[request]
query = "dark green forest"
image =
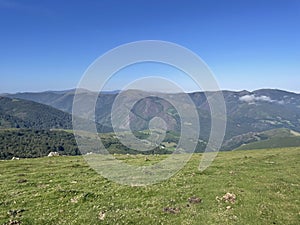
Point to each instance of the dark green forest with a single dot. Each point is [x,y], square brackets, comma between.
[29,143]
[19,113]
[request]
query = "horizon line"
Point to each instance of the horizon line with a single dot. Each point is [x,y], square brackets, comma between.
[167,92]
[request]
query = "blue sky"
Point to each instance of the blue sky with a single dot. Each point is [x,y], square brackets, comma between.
[248,44]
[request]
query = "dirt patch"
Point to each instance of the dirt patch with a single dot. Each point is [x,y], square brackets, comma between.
[13,222]
[194,200]
[171,210]
[22,181]
[15,212]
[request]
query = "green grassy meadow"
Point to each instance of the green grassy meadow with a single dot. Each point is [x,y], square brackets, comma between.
[65,190]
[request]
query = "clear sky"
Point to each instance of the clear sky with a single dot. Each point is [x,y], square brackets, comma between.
[248,44]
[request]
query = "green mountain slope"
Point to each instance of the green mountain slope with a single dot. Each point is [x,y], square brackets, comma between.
[276,138]
[19,113]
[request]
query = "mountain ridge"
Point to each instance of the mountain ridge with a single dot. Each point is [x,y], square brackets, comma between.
[248,113]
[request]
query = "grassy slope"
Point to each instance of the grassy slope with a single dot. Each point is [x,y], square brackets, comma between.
[276,142]
[266,183]
[275,138]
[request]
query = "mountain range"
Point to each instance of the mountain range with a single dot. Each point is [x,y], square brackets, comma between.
[255,111]
[249,114]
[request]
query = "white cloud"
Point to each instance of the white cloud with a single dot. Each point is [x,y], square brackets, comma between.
[262,98]
[247,98]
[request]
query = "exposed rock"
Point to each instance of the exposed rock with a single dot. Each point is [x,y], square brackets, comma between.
[101,215]
[229,197]
[53,154]
[74,200]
